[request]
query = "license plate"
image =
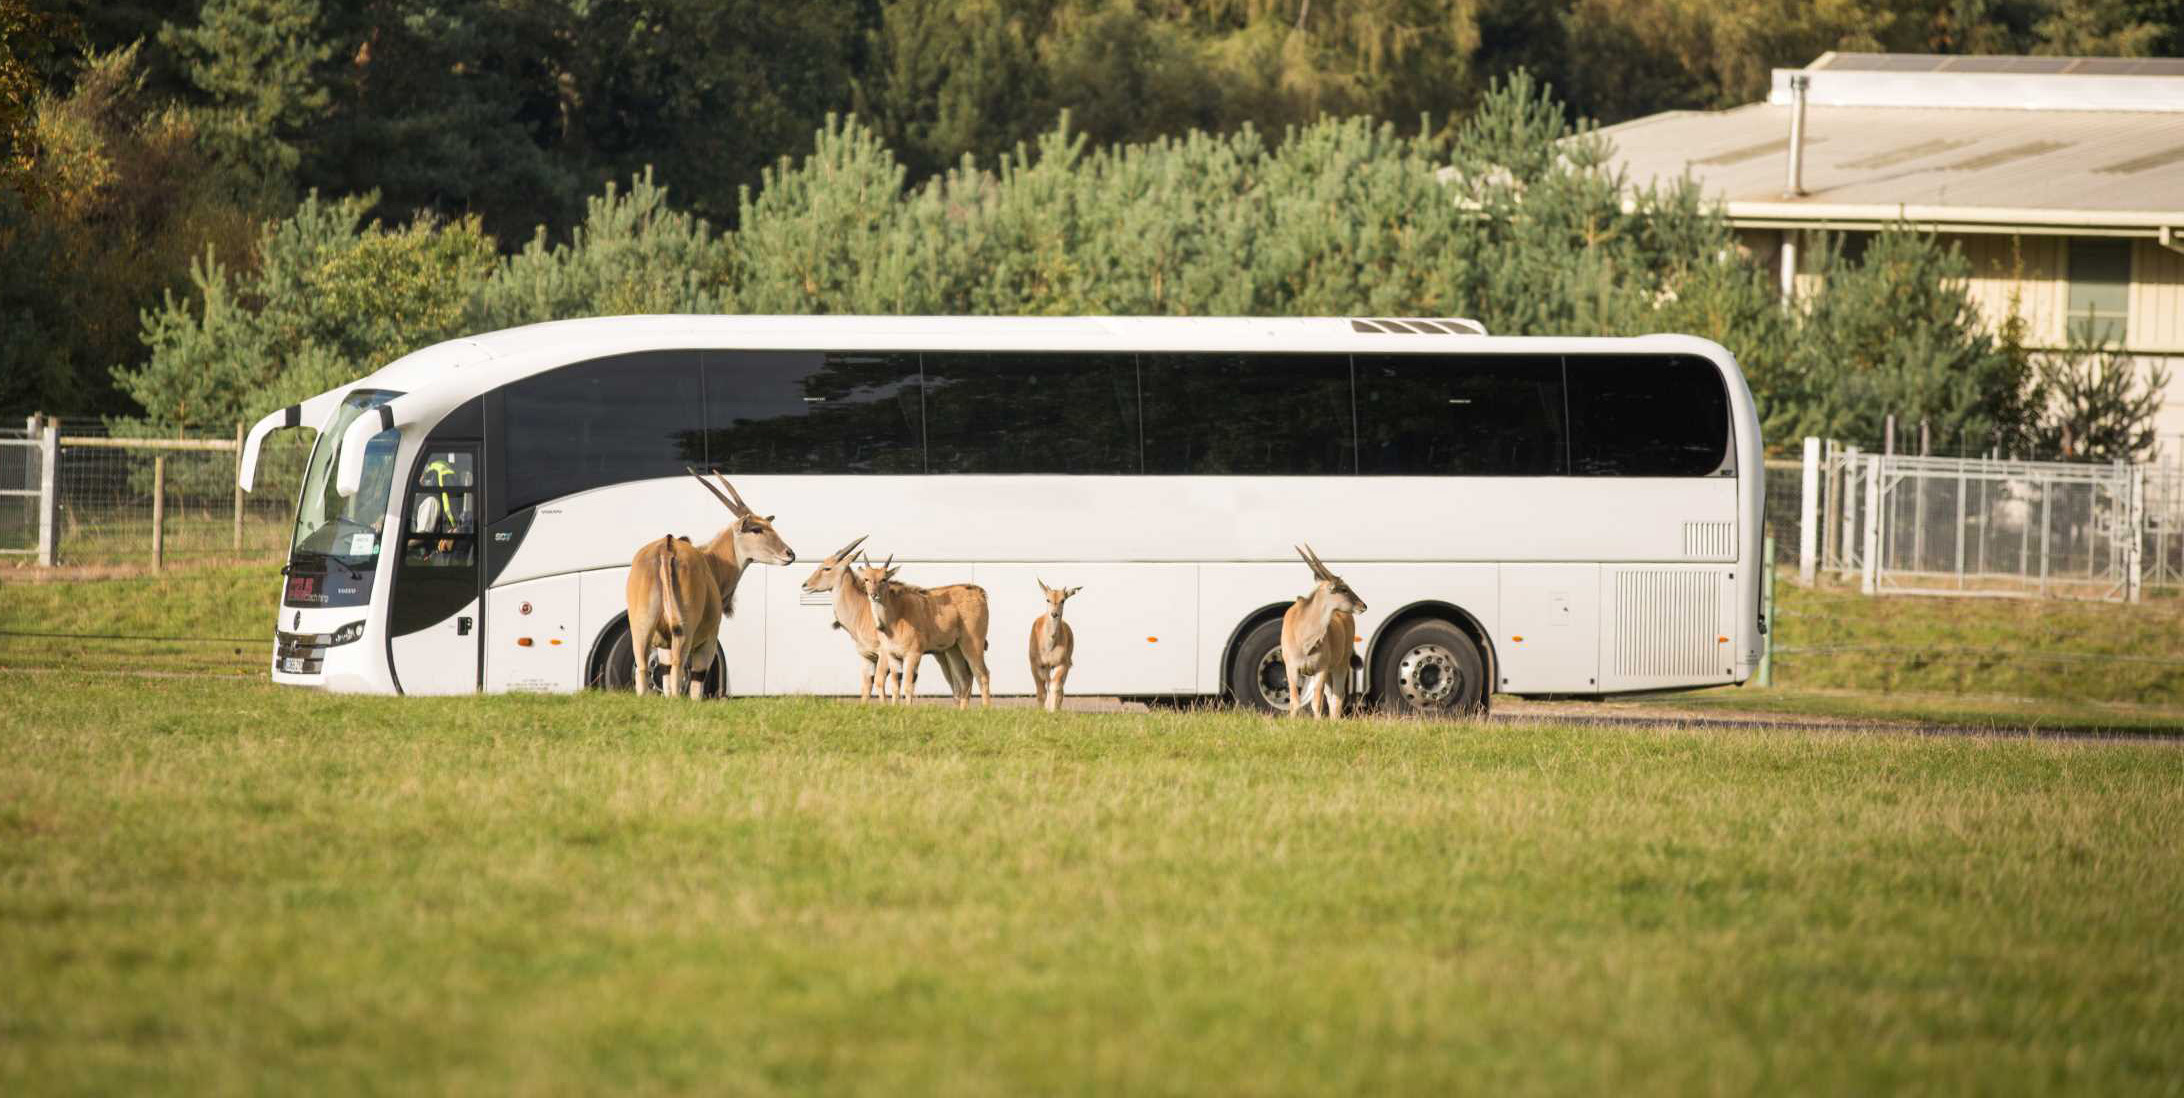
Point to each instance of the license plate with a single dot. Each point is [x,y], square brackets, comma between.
[292,667]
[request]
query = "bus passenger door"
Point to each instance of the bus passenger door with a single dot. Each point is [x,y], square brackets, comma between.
[434,619]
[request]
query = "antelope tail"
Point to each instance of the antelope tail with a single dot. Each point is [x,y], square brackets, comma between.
[670,595]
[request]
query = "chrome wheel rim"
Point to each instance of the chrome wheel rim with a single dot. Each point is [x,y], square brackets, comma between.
[1273,679]
[1429,677]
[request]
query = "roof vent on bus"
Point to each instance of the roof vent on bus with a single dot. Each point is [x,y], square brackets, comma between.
[1414,326]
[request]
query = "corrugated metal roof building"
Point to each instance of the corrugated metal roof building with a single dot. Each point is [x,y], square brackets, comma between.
[2061,178]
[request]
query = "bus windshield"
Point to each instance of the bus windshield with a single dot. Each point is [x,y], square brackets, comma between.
[336,545]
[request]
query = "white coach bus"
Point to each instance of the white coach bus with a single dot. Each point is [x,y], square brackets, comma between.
[1522,515]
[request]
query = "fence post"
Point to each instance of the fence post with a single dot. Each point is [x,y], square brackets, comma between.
[1766,587]
[2134,554]
[159,510]
[1808,515]
[1871,584]
[1832,491]
[49,496]
[1850,507]
[238,479]
[2047,496]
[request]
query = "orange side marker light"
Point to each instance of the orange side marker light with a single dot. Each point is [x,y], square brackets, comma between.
[1519,640]
[523,642]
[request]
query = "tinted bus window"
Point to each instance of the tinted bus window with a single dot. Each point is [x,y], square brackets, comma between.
[608,421]
[813,412]
[1646,416]
[1247,414]
[1030,413]
[1461,415]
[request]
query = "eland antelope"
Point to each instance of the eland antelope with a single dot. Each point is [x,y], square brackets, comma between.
[853,616]
[1053,647]
[1317,639]
[950,622]
[678,593]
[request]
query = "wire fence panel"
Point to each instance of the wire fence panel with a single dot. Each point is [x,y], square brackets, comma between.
[1783,515]
[111,492]
[21,463]
[1987,526]
[2162,559]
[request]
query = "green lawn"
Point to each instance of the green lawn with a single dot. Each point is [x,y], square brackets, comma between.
[2003,715]
[216,607]
[221,886]
[1834,638]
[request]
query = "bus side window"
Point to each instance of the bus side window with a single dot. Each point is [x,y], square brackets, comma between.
[1646,416]
[1242,414]
[1461,415]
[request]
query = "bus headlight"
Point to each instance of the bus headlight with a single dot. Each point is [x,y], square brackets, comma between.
[352,631]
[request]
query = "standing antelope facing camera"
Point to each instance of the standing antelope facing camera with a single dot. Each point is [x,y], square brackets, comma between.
[1053,646]
[949,622]
[678,592]
[1318,639]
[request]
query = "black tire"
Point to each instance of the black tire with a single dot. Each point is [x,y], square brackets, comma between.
[1258,656]
[1431,668]
[616,671]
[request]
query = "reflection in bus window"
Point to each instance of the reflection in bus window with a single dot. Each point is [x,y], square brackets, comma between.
[807,412]
[997,412]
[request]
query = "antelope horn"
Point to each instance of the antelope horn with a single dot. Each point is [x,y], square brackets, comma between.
[1318,569]
[716,492]
[844,552]
[741,508]
[890,562]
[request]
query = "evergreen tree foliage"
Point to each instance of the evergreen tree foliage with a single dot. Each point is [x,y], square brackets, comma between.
[631,254]
[262,64]
[2096,404]
[1896,333]
[330,297]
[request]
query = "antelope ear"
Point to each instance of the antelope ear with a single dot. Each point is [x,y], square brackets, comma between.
[1041,583]
[891,572]
[1071,591]
[769,518]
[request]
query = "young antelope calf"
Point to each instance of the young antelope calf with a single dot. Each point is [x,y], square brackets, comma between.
[1318,639]
[949,622]
[1053,645]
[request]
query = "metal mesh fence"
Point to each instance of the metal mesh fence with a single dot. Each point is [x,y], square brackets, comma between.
[1980,526]
[110,494]
[2162,557]
[1782,510]
[20,461]
[2005,527]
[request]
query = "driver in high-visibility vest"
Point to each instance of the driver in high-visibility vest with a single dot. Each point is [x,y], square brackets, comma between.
[439,473]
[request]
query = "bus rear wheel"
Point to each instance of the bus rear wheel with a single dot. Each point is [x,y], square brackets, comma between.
[1432,669]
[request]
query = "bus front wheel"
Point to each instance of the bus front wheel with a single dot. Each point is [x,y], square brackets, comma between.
[1432,669]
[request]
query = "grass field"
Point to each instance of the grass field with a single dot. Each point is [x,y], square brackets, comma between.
[1834,638]
[221,886]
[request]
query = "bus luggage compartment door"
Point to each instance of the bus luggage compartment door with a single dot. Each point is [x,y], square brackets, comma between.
[1549,635]
[534,644]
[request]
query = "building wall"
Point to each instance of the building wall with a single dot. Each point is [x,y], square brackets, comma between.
[2036,270]
[2157,298]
